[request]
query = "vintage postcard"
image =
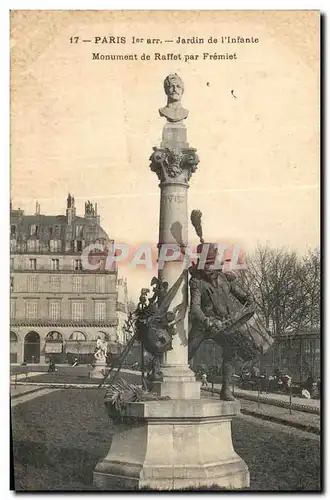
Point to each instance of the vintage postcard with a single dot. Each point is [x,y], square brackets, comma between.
[165,250]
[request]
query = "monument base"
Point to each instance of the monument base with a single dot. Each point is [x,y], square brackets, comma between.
[179,382]
[174,444]
[99,370]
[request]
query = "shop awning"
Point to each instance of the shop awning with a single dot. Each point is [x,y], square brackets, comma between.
[53,347]
[74,347]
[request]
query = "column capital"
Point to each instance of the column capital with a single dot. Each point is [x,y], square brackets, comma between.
[174,164]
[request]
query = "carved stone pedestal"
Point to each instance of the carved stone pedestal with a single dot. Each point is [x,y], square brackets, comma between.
[179,382]
[174,444]
[99,369]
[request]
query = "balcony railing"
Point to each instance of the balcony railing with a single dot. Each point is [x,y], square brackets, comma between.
[64,270]
[63,322]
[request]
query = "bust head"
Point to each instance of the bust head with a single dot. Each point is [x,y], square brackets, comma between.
[174,87]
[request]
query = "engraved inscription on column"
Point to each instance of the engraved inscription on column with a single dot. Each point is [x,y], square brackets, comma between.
[176,198]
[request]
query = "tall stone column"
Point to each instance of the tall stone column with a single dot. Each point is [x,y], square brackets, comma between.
[174,162]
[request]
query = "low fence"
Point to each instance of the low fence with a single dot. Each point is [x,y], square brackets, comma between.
[260,399]
[299,356]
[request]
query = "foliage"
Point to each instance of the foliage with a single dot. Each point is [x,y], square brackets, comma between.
[285,288]
[121,392]
[131,306]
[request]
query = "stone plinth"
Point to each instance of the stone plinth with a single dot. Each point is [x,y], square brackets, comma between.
[179,382]
[174,444]
[174,135]
[99,369]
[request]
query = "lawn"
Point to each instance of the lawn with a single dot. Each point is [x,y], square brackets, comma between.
[58,439]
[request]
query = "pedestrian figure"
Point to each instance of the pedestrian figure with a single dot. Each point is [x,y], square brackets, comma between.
[204,380]
[51,367]
[305,394]
[287,381]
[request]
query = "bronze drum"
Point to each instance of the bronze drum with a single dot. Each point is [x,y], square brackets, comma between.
[251,340]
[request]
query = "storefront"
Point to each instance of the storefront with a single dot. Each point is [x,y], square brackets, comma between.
[32,348]
[80,349]
[54,348]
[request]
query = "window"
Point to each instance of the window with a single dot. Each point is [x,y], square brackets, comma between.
[31,310]
[77,265]
[13,308]
[77,311]
[77,336]
[79,231]
[34,229]
[13,231]
[54,311]
[308,346]
[100,311]
[13,337]
[55,264]
[11,283]
[56,232]
[79,246]
[11,262]
[100,284]
[55,283]
[32,245]
[76,284]
[55,245]
[32,283]
[33,264]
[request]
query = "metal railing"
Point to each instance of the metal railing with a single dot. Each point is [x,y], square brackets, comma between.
[260,399]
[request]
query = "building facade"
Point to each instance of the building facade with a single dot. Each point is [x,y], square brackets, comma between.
[58,308]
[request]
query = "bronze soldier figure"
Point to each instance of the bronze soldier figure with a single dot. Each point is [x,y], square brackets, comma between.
[212,312]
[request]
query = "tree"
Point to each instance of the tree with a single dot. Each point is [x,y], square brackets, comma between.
[131,306]
[285,287]
[312,281]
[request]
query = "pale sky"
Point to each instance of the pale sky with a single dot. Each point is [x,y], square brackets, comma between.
[88,127]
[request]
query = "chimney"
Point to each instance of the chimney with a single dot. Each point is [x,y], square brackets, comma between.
[37,208]
[70,211]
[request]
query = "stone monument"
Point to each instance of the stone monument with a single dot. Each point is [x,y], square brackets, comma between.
[183,441]
[174,162]
[100,360]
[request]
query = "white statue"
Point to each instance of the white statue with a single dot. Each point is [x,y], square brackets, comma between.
[101,349]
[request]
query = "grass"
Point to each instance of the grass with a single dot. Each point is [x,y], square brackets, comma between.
[59,438]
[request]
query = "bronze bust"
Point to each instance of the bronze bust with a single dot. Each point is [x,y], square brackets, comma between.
[174,88]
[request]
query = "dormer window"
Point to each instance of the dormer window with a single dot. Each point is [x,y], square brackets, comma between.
[79,231]
[56,231]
